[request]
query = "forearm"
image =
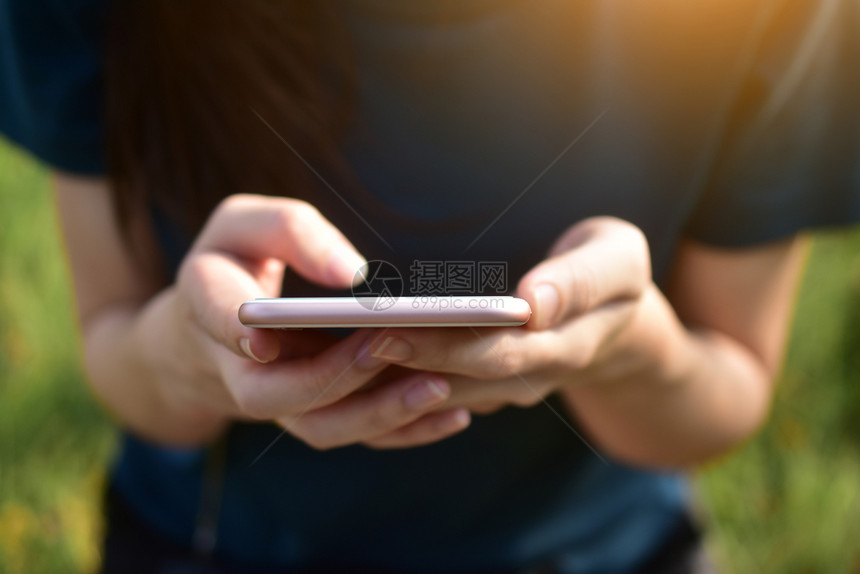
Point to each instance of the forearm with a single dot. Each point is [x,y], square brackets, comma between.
[686,397]
[131,358]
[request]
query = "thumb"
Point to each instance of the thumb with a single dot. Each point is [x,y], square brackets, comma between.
[596,261]
[211,286]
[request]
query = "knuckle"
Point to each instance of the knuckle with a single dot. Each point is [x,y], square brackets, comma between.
[486,408]
[439,358]
[191,272]
[526,399]
[251,403]
[298,210]
[531,394]
[379,419]
[220,218]
[580,358]
[318,442]
[617,222]
[191,284]
[301,207]
[385,412]
[294,217]
[285,219]
[320,384]
[317,386]
[195,299]
[230,201]
[586,292]
[642,255]
[510,358]
[230,204]
[636,246]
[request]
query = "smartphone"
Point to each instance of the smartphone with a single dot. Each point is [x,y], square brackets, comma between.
[430,311]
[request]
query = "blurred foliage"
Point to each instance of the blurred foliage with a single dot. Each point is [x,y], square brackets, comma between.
[787,502]
[55,442]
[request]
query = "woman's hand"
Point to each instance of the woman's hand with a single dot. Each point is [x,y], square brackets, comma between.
[174,363]
[644,386]
[306,381]
[583,298]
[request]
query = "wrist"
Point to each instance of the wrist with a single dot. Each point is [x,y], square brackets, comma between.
[168,363]
[653,349]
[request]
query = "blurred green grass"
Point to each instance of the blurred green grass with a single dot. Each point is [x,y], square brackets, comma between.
[54,440]
[787,502]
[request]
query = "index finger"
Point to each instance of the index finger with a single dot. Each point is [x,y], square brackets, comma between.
[241,254]
[257,227]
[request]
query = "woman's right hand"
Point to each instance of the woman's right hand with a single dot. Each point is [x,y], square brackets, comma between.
[307,381]
[172,362]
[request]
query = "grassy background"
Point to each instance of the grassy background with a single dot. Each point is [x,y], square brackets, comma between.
[785,503]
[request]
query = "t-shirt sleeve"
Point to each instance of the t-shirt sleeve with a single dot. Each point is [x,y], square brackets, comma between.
[51,95]
[790,155]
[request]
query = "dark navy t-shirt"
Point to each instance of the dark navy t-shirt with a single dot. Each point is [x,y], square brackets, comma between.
[484,129]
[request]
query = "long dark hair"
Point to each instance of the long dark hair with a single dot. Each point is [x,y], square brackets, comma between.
[186,81]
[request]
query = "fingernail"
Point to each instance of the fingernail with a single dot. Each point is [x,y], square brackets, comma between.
[347,266]
[365,360]
[393,349]
[456,421]
[245,344]
[425,395]
[547,304]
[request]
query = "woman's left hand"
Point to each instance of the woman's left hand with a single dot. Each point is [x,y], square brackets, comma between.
[583,297]
[653,380]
